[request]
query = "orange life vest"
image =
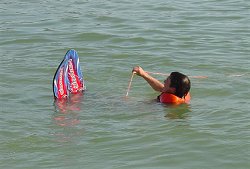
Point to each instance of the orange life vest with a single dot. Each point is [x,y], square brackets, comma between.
[171,98]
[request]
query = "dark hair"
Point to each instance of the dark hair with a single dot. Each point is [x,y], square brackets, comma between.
[181,83]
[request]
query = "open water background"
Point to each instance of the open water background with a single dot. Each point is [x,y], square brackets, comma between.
[102,129]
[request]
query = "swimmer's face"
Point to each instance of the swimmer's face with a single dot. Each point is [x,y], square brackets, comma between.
[167,83]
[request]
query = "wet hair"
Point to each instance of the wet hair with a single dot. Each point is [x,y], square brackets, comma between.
[181,83]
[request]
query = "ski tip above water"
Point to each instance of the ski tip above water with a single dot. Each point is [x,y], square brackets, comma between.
[68,77]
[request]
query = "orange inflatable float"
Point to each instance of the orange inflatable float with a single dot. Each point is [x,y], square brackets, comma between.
[172,99]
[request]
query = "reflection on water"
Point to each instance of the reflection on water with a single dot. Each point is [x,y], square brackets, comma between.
[67,117]
[67,110]
[177,111]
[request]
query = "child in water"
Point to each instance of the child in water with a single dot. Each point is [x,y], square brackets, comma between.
[175,88]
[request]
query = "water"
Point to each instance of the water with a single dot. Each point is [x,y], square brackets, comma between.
[102,129]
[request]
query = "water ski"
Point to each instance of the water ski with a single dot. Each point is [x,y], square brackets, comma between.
[68,77]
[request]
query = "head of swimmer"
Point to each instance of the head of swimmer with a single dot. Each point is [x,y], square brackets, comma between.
[177,84]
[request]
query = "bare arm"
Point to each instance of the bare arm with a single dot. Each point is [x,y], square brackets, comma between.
[154,83]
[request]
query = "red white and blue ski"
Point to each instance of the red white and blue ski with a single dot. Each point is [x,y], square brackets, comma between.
[68,77]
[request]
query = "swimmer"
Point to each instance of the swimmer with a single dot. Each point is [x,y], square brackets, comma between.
[175,88]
